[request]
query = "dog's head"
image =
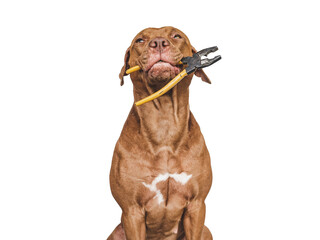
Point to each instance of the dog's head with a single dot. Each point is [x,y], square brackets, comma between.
[158,51]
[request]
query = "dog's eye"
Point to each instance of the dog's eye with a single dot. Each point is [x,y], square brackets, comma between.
[139,40]
[177,36]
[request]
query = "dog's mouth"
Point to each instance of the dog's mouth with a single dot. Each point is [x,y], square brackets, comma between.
[162,71]
[161,64]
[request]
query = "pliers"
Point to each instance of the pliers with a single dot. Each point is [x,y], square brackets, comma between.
[193,63]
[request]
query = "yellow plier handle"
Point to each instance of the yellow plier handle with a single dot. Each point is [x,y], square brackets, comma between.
[165,89]
[133,69]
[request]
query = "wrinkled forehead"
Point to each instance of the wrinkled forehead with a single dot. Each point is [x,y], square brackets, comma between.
[150,33]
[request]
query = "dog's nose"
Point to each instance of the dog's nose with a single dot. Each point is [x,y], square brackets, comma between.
[159,43]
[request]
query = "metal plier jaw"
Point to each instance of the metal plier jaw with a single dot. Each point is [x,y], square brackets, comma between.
[195,62]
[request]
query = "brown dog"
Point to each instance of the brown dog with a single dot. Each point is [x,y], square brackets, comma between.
[161,172]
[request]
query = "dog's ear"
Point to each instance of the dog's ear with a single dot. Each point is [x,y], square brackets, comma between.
[200,73]
[125,66]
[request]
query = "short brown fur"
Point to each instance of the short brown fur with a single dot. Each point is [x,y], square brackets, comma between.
[159,137]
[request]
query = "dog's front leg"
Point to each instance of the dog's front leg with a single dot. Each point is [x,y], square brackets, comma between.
[133,220]
[193,220]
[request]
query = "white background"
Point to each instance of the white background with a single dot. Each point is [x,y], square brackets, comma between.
[62,110]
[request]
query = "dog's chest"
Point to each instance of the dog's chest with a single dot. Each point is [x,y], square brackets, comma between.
[167,182]
[166,185]
[164,198]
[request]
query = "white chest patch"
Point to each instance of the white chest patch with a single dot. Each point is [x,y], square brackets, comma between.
[182,178]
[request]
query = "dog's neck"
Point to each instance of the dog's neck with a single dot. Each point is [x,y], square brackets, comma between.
[165,120]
